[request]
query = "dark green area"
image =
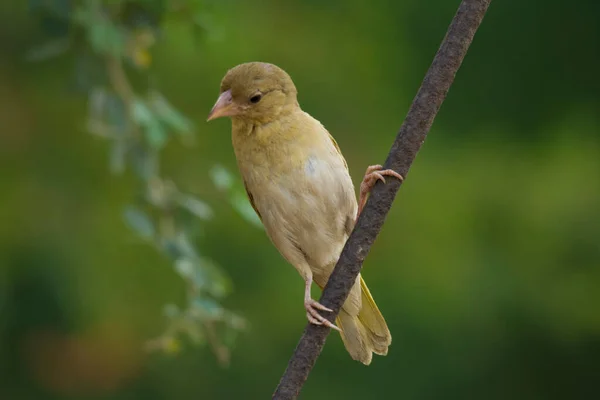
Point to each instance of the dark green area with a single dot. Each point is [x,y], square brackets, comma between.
[488,267]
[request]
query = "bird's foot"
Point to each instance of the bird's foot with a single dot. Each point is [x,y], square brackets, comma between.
[313,315]
[373,174]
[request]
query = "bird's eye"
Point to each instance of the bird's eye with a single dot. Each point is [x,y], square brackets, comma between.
[255,99]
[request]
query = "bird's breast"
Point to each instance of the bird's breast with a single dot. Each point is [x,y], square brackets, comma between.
[308,202]
[300,186]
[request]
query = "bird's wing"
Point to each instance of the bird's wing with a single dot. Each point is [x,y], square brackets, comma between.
[251,198]
[350,218]
[337,148]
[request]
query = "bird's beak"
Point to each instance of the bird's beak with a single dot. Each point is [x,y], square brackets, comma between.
[224,107]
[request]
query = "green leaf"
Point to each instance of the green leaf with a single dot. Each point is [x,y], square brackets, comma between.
[201,279]
[156,135]
[97,100]
[155,132]
[196,206]
[221,178]
[118,152]
[139,221]
[116,114]
[169,115]
[180,247]
[143,161]
[170,248]
[141,113]
[204,275]
[214,280]
[186,268]
[186,247]
[105,37]
[208,306]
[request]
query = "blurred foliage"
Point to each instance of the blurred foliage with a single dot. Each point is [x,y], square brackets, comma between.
[487,269]
[106,37]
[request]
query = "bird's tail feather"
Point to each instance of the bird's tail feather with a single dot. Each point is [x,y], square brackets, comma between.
[365,333]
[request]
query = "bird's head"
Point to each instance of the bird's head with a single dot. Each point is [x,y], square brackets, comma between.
[255,91]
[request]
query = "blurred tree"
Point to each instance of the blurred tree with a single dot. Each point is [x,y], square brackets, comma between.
[111,42]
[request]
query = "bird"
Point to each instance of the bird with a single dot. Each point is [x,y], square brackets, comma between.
[299,185]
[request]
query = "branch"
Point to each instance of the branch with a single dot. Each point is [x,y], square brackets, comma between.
[412,134]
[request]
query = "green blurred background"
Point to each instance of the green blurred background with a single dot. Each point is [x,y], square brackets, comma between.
[487,269]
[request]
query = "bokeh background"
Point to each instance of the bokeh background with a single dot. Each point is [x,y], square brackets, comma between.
[487,269]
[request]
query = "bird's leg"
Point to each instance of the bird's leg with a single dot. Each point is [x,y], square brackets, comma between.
[312,306]
[374,173]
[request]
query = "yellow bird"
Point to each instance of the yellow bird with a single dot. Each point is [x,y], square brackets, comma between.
[298,183]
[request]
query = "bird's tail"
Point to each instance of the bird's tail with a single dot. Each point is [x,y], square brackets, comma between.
[365,333]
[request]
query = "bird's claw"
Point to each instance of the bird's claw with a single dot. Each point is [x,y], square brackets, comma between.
[373,174]
[314,317]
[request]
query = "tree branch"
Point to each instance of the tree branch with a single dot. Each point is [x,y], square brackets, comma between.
[411,136]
